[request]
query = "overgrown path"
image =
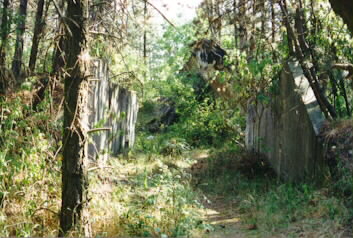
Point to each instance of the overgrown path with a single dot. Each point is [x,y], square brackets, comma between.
[206,194]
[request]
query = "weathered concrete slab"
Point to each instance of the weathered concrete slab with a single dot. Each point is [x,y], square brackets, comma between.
[112,113]
[308,97]
[98,109]
[286,129]
[123,121]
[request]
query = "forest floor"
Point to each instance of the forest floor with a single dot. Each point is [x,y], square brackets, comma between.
[201,193]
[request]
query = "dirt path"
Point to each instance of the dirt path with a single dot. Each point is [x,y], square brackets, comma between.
[224,217]
[133,198]
[222,213]
[222,208]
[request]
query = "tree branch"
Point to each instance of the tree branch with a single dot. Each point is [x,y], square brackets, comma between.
[99,129]
[57,8]
[348,67]
[160,13]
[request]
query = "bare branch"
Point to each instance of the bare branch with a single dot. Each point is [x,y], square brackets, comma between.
[99,129]
[348,67]
[104,34]
[58,9]
[161,13]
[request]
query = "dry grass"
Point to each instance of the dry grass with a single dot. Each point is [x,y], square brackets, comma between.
[152,195]
[338,129]
[144,196]
[29,172]
[31,205]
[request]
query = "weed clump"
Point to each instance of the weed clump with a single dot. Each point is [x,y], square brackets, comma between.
[158,199]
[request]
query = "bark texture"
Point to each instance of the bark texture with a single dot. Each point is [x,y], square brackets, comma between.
[17,59]
[37,32]
[74,171]
[5,29]
[58,60]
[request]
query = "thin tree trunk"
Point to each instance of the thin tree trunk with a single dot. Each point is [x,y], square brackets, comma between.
[145,33]
[345,96]
[5,29]
[43,82]
[309,73]
[17,59]
[290,39]
[263,18]
[210,15]
[74,172]
[58,60]
[145,40]
[235,24]
[273,21]
[37,33]
[341,84]
[217,22]
[243,33]
[301,30]
[334,91]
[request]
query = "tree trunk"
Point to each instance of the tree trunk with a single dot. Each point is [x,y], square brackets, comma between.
[210,17]
[145,33]
[235,24]
[243,32]
[288,26]
[37,32]
[273,21]
[263,11]
[145,40]
[74,172]
[17,59]
[344,8]
[5,29]
[58,61]
[309,73]
[217,21]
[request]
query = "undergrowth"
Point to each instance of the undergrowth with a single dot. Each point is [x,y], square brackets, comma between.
[30,181]
[146,196]
[162,189]
[268,206]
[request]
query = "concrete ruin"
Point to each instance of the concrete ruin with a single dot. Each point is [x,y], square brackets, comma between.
[112,114]
[286,129]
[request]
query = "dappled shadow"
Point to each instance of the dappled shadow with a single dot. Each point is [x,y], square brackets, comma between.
[242,197]
[217,176]
[209,167]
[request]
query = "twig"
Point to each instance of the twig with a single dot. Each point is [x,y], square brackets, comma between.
[95,168]
[128,72]
[99,129]
[45,208]
[58,9]
[348,67]
[104,34]
[161,14]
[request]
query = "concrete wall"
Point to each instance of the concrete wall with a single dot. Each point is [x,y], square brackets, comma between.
[114,110]
[286,129]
